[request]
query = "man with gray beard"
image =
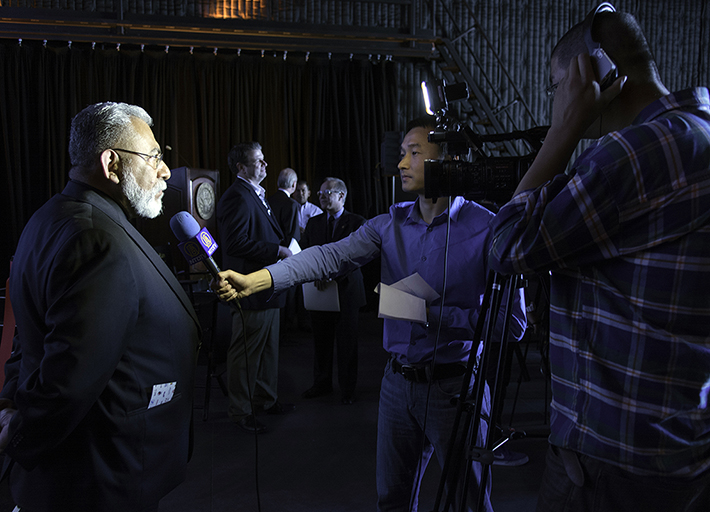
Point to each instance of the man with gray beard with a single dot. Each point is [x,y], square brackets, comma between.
[96,405]
[146,202]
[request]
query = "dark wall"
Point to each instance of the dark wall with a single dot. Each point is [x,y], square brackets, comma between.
[322,117]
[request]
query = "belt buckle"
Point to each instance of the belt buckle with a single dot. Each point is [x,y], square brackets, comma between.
[415,374]
[407,369]
[409,372]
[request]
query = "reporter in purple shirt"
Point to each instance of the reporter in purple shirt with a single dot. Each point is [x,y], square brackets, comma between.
[410,238]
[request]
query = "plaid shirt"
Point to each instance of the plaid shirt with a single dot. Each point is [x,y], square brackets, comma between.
[626,236]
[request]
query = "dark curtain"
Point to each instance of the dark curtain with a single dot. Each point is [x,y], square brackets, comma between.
[322,116]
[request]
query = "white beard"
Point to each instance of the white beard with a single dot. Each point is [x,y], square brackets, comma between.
[143,201]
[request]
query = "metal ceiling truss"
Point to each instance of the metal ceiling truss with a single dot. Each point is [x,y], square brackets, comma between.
[189,31]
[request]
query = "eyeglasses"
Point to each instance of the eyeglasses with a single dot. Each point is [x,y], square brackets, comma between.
[257,162]
[152,160]
[551,90]
[327,193]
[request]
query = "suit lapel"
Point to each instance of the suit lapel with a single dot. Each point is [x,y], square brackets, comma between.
[161,267]
[115,213]
[259,205]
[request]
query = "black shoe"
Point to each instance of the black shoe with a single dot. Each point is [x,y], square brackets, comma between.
[347,400]
[315,392]
[250,424]
[279,408]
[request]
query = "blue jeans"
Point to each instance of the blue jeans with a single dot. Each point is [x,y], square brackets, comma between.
[608,488]
[400,434]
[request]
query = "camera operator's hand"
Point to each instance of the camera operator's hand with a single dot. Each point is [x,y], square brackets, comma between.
[578,100]
[578,104]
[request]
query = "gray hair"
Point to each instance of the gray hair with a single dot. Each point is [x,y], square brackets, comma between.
[287,178]
[337,184]
[100,127]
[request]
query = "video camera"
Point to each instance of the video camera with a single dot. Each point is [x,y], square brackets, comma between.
[481,176]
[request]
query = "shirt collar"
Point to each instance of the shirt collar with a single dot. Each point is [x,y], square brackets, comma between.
[260,191]
[414,217]
[694,98]
[337,214]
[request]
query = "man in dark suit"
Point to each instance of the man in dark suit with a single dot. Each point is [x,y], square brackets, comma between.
[284,207]
[250,239]
[285,210]
[331,328]
[98,393]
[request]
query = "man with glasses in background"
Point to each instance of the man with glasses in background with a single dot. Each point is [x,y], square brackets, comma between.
[335,327]
[250,239]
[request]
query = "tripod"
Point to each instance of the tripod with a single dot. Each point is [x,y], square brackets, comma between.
[462,449]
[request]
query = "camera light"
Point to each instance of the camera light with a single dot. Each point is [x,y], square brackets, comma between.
[427,101]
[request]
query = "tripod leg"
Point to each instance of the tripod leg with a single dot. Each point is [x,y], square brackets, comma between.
[474,411]
[477,484]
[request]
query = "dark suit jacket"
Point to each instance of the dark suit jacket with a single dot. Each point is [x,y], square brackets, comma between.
[285,210]
[351,288]
[101,320]
[249,238]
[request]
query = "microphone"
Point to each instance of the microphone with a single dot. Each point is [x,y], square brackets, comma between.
[197,245]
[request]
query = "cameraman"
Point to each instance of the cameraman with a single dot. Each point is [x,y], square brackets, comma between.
[626,236]
[411,238]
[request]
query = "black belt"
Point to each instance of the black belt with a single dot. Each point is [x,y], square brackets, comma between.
[425,373]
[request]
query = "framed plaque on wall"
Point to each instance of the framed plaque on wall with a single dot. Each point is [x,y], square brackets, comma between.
[193,190]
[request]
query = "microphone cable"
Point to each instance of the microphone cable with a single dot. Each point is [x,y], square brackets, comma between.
[251,403]
[436,349]
[187,231]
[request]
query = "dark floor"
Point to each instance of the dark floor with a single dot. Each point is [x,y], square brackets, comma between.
[321,457]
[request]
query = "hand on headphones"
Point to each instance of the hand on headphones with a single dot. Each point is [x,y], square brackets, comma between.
[579,101]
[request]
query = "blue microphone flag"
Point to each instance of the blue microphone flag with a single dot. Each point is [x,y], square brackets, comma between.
[195,244]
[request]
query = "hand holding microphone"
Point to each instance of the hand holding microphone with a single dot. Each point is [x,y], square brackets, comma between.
[197,245]
[229,284]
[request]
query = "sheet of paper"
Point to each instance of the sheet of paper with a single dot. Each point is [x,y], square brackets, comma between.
[294,247]
[417,286]
[162,393]
[399,305]
[321,300]
[406,299]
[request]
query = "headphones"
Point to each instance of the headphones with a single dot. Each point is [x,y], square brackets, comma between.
[604,68]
